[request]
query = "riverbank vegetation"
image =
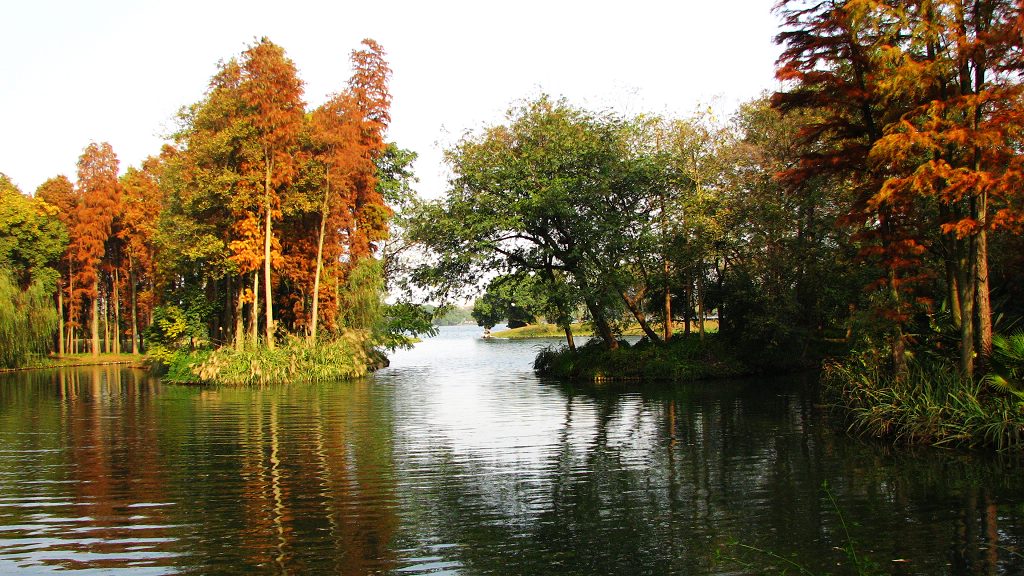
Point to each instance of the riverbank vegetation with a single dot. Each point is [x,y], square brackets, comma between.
[684,358]
[578,329]
[868,212]
[38,362]
[261,223]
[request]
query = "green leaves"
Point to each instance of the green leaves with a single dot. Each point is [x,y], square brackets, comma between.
[555,189]
[32,238]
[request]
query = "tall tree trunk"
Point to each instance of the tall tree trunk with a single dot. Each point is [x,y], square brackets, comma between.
[135,306]
[688,308]
[96,318]
[117,312]
[268,296]
[633,304]
[106,324]
[968,294]
[569,340]
[60,317]
[950,257]
[983,301]
[254,314]
[604,330]
[700,302]
[71,309]
[319,262]
[666,268]
[720,283]
[239,316]
[899,346]
[224,332]
[668,301]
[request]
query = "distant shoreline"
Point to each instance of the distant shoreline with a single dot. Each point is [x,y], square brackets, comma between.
[77,361]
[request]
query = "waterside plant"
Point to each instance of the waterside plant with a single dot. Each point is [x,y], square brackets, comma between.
[344,357]
[684,358]
[930,402]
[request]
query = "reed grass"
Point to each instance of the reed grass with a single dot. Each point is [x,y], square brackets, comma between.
[343,357]
[931,403]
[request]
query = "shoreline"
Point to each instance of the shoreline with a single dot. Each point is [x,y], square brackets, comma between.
[138,362]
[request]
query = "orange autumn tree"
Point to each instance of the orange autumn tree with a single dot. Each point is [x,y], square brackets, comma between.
[347,139]
[829,67]
[369,88]
[335,145]
[100,194]
[930,92]
[272,96]
[957,145]
[141,202]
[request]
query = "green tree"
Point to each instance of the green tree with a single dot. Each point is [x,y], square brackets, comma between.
[556,190]
[517,299]
[32,240]
[32,237]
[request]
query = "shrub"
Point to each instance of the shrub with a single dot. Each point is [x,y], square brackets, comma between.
[344,357]
[684,358]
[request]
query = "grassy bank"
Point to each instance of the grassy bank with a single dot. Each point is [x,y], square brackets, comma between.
[685,358]
[72,360]
[930,404]
[345,357]
[583,330]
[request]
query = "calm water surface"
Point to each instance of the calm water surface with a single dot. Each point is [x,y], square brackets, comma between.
[458,460]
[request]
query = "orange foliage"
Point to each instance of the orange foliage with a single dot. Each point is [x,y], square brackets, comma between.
[100,193]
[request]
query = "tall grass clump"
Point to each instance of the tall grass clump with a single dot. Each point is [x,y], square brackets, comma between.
[342,357]
[928,403]
[28,320]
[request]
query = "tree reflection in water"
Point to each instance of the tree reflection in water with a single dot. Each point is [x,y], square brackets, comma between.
[457,460]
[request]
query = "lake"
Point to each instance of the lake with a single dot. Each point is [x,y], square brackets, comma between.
[457,459]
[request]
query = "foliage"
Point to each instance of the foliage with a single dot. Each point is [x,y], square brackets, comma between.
[361,297]
[558,191]
[100,196]
[787,272]
[32,237]
[402,322]
[916,107]
[345,357]
[273,207]
[519,300]
[683,359]
[931,403]
[1007,364]
[176,329]
[452,315]
[27,320]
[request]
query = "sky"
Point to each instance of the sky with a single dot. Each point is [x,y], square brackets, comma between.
[79,71]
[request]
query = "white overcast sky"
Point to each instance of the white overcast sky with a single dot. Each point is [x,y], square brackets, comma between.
[77,71]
